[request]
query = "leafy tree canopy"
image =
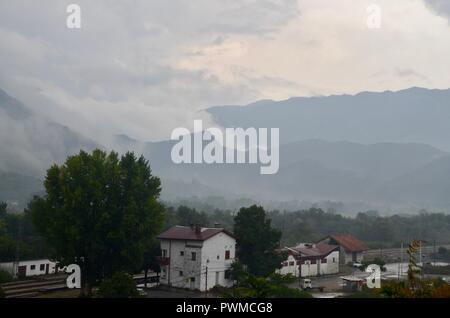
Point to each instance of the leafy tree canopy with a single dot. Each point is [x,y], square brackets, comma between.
[257,241]
[101,212]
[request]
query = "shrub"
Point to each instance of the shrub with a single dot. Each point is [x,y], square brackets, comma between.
[5,277]
[120,285]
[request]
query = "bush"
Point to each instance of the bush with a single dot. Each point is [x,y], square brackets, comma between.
[2,293]
[5,277]
[120,285]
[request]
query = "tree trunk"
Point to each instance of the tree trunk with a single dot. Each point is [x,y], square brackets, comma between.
[146,272]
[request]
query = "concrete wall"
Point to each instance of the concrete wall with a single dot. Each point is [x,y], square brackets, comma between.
[184,272]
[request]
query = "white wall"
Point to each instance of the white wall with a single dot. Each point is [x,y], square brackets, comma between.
[9,267]
[213,257]
[290,268]
[308,269]
[210,253]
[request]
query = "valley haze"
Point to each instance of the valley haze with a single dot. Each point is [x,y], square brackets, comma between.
[381,157]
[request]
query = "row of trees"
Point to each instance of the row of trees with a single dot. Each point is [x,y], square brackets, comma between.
[313,224]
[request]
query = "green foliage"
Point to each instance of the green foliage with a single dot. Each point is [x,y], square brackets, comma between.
[257,241]
[282,279]
[251,286]
[185,216]
[2,293]
[19,238]
[3,207]
[101,212]
[120,285]
[151,257]
[5,277]
[364,293]
[413,268]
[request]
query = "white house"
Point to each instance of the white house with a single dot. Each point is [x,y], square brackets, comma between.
[29,268]
[196,258]
[307,260]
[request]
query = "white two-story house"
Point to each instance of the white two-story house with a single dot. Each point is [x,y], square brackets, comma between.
[197,258]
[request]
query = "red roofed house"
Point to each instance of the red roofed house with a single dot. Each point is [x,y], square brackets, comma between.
[307,260]
[351,250]
[196,258]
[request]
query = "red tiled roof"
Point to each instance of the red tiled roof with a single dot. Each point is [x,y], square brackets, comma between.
[189,234]
[317,250]
[349,243]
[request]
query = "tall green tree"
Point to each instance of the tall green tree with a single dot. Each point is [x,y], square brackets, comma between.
[257,241]
[3,207]
[100,212]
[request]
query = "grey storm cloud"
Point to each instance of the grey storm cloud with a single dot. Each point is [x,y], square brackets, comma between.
[121,60]
[441,7]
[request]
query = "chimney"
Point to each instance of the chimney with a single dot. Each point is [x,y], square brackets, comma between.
[198,229]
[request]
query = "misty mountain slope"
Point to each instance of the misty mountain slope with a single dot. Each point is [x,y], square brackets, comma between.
[309,170]
[413,115]
[382,161]
[19,189]
[428,185]
[30,143]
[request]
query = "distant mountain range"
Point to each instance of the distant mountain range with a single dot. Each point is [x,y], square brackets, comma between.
[387,149]
[415,115]
[29,144]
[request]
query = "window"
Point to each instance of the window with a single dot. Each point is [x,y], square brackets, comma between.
[42,267]
[324,260]
[193,256]
[313,261]
[164,253]
[32,267]
[193,279]
[181,253]
[291,263]
[163,273]
[227,254]
[285,263]
[180,273]
[334,260]
[218,256]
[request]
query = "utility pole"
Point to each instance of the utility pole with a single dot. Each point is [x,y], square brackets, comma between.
[206,282]
[401,259]
[434,252]
[420,252]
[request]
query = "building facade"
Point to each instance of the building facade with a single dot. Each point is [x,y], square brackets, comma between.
[196,258]
[306,260]
[351,250]
[29,268]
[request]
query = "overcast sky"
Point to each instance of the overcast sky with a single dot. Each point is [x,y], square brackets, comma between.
[144,67]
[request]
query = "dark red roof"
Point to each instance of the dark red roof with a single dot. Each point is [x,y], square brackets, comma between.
[187,233]
[349,243]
